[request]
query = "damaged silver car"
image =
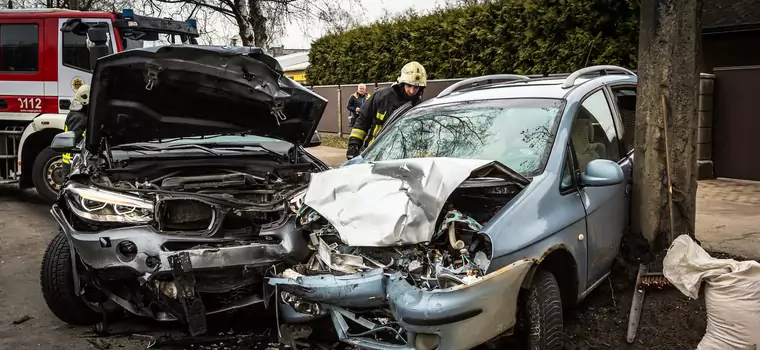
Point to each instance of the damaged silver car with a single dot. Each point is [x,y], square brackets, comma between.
[181,194]
[474,216]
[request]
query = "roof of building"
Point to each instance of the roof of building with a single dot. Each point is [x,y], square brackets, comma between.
[730,14]
[294,61]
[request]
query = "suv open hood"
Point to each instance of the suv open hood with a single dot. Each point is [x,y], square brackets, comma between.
[178,91]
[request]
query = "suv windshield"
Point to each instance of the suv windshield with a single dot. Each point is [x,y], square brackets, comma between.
[516,132]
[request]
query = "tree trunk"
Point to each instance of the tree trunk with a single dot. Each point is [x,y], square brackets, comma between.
[669,44]
[258,23]
[243,19]
[10,4]
[73,4]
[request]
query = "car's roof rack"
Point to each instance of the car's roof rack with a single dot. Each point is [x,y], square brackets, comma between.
[500,77]
[570,81]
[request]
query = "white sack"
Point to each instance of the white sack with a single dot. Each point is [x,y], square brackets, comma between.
[732,293]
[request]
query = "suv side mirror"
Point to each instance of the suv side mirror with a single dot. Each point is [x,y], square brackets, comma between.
[602,172]
[315,141]
[64,142]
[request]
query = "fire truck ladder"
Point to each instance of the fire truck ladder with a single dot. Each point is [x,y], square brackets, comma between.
[10,137]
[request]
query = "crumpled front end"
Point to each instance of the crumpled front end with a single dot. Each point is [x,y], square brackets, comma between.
[185,244]
[423,282]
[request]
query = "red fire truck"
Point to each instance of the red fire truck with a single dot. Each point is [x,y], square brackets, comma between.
[44,58]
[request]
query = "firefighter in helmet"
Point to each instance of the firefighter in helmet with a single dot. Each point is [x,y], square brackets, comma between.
[409,86]
[76,121]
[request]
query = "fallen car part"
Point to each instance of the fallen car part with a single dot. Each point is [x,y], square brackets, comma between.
[636,304]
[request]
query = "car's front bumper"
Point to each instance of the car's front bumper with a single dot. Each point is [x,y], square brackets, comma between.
[99,251]
[456,318]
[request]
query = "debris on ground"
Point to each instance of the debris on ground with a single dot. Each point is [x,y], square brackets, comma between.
[99,343]
[22,319]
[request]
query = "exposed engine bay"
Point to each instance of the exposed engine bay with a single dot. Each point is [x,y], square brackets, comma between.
[195,201]
[348,279]
[456,255]
[180,240]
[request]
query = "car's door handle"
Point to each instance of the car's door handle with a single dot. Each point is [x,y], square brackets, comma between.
[3,103]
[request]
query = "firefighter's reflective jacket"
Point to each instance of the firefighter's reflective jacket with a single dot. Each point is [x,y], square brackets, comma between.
[76,121]
[373,113]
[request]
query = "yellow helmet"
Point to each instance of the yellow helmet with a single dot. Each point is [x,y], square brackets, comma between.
[81,98]
[413,74]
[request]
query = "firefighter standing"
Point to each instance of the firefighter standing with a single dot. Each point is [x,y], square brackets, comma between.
[355,102]
[76,121]
[409,86]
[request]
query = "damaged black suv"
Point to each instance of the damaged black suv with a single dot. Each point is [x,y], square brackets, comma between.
[184,190]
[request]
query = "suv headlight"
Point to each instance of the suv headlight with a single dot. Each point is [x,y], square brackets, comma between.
[106,206]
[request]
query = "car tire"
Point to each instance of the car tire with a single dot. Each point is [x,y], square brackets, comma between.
[57,282]
[44,171]
[543,313]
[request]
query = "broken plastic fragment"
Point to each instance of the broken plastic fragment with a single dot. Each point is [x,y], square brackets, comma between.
[291,274]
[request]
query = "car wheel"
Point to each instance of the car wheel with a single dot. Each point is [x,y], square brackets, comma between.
[47,174]
[543,313]
[57,282]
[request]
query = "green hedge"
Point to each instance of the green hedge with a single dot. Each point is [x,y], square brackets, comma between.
[507,36]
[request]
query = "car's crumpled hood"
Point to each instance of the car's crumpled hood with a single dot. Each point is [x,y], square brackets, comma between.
[390,203]
[178,91]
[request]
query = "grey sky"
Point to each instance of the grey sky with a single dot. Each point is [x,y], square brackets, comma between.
[374,9]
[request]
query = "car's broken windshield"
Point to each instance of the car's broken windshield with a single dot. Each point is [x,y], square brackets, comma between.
[516,132]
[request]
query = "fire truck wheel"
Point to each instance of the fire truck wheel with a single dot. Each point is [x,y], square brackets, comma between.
[47,174]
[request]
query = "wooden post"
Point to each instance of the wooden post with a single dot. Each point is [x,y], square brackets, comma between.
[668,70]
[340,114]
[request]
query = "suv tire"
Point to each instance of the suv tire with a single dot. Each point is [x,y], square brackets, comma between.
[43,172]
[57,282]
[543,313]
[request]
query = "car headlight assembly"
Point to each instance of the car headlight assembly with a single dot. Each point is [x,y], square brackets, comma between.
[105,206]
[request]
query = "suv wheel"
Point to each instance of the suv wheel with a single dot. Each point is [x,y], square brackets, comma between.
[47,174]
[543,324]
[57,282]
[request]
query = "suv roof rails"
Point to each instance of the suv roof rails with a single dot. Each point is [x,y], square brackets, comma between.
[508,77]
[570,81]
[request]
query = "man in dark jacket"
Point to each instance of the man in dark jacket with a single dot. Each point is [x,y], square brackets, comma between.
[76,121]
[355,102]
[409,86]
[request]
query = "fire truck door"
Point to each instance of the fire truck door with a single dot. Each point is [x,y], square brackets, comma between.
[74,61]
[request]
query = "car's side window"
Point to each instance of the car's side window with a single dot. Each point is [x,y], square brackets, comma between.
[593,131]
[567,182]
[625,99]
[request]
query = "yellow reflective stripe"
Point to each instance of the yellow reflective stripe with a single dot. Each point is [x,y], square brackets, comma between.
[65,128]
[84,132]
[374,134]
[381,116]
[358,133]
[66,158]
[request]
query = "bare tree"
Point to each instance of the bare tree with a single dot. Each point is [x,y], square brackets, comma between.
[260,21]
